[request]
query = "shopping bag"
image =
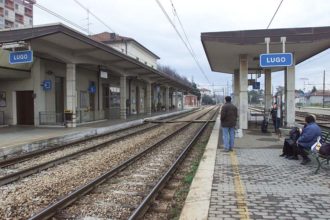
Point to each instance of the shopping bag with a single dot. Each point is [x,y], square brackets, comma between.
[238,133]
[316,146]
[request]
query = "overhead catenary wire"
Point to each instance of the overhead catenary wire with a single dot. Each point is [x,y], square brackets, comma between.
[183,41]
[184,32]
[60,17]
[271,20]
[97,18]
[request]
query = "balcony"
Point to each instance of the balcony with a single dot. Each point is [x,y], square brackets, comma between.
[19,18]
[9,4]
[28,12]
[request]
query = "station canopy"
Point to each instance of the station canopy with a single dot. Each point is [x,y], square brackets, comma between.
[64,44]
[223,48]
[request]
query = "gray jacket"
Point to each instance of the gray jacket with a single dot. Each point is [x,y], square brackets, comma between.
[228,115]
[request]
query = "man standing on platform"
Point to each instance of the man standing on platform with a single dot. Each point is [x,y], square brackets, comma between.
[228,117]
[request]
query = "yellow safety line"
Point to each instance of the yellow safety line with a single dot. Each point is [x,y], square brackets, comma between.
[239,189]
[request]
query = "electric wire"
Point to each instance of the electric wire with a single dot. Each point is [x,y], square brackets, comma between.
[60,17]
[80,27]
[184,32]
[183,41]
[271,20]
[97,18]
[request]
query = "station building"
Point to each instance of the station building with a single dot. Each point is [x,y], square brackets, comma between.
[75,79]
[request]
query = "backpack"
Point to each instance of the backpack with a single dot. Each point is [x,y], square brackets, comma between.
[294,134]
[325,149]
[264,126]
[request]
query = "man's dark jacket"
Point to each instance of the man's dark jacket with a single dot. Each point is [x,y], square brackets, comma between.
[228,115]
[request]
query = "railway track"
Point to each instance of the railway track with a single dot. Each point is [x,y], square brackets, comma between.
[54,183]
[12,160]
[321,119]
[19,167]
[126,184]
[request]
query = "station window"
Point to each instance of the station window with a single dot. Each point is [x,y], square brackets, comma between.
[16,6]
[84,99]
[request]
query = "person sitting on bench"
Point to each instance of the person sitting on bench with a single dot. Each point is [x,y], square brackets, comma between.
[308,137]
[290,144]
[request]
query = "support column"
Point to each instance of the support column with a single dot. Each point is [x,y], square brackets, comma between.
[71,93]
[236,88]
[148,101]
[182,100]
[290,95]
[176,100]
[243,93]
[39,101]
[123,97]
[268,89]
[167,98]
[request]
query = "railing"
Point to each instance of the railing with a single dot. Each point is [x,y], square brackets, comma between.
[2,118]
[88,116]
[82,116]
[51,118]
[113,113]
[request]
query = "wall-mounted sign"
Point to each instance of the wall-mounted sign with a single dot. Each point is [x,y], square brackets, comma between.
[103,75]
[47,85]
[276,59]
[92,89]
[256,85]
[21,57]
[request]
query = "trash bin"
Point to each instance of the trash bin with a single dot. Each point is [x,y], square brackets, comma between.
[68,115]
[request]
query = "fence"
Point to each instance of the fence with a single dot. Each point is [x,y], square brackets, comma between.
[2,118]
[88,116]
[51,118]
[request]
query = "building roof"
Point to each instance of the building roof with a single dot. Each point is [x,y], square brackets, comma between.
[112,38]
[64,44]
[204,90]
[320,93]
[223,48]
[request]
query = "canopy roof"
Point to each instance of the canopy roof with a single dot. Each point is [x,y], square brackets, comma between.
[223,48]
[61,43]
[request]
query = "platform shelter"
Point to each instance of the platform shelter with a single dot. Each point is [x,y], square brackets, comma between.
[238,53]
[69,78]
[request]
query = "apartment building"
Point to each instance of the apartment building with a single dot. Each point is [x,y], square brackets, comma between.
[16,13]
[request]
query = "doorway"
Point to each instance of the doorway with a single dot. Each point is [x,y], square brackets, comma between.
[25,107]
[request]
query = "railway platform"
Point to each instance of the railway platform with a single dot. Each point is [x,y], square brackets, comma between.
[253,182]
[17,139]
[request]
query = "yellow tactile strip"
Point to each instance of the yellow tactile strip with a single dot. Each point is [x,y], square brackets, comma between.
[239,188]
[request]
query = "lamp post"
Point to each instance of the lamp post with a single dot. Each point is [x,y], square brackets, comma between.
[304,80]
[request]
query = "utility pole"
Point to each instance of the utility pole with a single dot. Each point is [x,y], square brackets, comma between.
[323,86]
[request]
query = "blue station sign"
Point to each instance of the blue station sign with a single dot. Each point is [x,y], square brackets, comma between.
[47,85]
[21,57]
[276,60]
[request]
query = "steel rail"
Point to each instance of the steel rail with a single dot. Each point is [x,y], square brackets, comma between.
[38,168]
[51,210]
[28,156]
[144,205]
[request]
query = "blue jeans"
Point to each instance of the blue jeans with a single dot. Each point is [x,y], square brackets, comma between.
[228,135]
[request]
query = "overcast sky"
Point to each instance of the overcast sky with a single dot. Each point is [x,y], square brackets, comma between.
[144,21]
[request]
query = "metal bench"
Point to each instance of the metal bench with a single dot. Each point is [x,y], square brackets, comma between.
[322,159]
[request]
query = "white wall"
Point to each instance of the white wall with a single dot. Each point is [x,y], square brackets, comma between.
[134,51]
